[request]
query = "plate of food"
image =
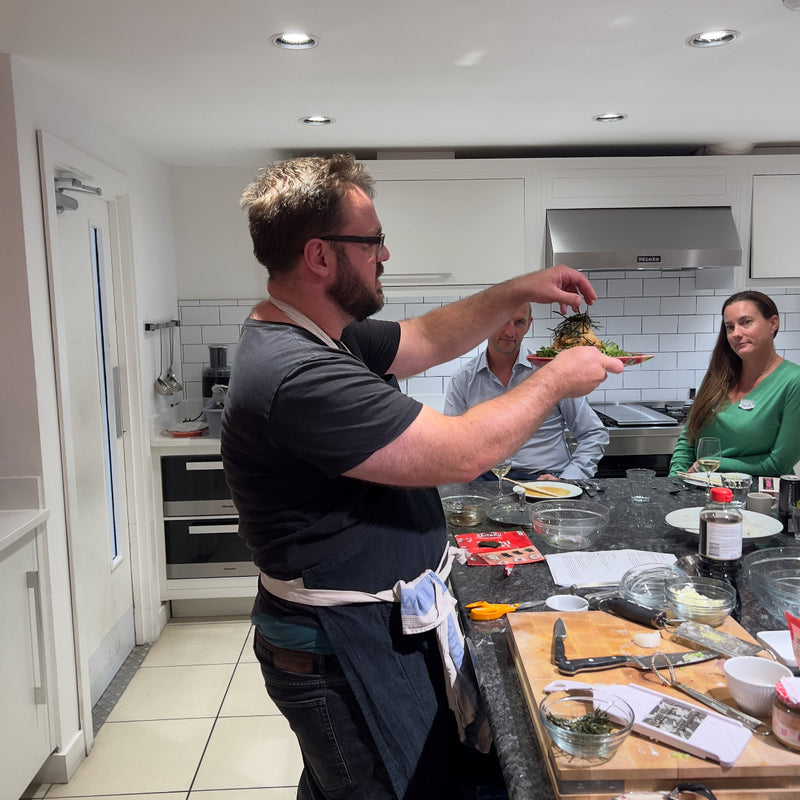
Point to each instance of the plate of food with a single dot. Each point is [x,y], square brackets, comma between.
[755,526]
[627,361]
[578,330]
[551,490]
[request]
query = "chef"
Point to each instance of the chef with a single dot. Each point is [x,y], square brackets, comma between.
[331,469]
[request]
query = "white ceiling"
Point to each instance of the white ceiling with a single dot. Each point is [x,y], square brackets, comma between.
[197,82]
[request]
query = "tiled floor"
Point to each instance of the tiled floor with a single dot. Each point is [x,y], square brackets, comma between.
[194,723]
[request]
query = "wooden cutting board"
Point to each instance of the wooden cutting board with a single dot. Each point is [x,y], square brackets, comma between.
[765,770]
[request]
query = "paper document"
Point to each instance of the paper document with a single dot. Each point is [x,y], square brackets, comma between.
[607,566]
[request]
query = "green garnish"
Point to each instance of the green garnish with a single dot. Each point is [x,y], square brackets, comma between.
[612,349]
[595,722]
[574,326]
[547,352]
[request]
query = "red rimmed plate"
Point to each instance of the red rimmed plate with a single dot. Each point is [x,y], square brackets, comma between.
[627,361]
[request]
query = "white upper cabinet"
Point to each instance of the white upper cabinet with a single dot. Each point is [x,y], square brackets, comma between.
[451,232]
[775,233]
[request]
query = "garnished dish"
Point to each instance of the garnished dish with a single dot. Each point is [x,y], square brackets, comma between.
[578,330]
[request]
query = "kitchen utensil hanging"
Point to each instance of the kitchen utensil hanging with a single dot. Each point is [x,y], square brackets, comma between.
[172,379]
[162,387]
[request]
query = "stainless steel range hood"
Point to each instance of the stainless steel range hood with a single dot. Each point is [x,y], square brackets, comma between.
[642,238]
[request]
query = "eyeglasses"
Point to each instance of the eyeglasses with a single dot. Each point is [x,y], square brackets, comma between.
[378,240]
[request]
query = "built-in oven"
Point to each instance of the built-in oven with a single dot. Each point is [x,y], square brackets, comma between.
[200,520]
[641,435]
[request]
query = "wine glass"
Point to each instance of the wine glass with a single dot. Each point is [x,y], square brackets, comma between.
[709,456]
[501,470]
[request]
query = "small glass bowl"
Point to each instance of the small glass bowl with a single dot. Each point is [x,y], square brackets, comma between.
[645,584]
[560,707]
[466,505]
[715,603]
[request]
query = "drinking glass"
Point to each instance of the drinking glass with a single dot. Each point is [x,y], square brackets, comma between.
[501,470]
[709,457]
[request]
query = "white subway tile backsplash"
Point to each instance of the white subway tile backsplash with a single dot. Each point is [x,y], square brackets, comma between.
[697,323]
[661,287]
[678,305]
[199,315]
[674,315]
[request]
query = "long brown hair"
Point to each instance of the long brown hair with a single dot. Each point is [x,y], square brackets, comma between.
[724,368]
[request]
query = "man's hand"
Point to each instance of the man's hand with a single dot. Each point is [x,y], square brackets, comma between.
[562,285]
[581,370]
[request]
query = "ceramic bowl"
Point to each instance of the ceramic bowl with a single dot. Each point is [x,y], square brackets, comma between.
[751,681]
[705,600]
[560,712]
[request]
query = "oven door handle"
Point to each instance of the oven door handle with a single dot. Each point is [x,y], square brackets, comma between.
[200,529]
[191,466]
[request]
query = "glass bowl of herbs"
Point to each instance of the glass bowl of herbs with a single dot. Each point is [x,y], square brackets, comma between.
[588,726]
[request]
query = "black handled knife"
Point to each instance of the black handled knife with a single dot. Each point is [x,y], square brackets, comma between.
[568,666]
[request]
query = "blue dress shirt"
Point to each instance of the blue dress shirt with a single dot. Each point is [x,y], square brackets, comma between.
[546,450]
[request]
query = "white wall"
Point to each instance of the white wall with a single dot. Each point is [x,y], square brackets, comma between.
[38,105]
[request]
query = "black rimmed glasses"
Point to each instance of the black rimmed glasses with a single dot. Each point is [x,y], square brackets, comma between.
[378,239]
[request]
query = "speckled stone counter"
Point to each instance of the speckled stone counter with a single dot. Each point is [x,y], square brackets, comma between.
[640,527]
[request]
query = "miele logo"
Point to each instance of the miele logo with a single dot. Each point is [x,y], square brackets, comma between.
[648,259]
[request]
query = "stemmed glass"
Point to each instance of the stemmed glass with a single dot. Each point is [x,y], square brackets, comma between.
[709,457]
[501,470]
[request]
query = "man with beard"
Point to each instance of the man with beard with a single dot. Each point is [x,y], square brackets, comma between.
[333,472]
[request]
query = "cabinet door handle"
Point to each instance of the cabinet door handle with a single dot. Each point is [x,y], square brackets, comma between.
[191,466]
[200,529]
[39,693]
[417,277]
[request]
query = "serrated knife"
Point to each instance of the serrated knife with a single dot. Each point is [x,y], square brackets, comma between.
[567,666]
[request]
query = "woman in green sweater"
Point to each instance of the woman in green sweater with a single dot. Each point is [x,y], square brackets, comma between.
[749,398]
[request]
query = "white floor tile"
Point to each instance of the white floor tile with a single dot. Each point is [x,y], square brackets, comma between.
[183,643]
[173,693]
[140,757]
[182,795]
[249,752]
[283,793]
[247,695]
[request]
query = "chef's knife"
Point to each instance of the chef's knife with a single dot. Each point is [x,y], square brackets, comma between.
[572,666]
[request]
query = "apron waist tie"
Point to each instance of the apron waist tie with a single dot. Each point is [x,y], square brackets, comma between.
[425,604]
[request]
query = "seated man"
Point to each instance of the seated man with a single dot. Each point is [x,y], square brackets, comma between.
[545,456]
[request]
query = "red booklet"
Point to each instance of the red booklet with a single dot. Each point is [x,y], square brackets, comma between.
[491,548]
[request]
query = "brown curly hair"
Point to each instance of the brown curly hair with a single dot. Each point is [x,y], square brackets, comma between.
[724,368]
[296,200]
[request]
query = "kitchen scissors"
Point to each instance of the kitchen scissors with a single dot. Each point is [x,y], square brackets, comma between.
[482,610]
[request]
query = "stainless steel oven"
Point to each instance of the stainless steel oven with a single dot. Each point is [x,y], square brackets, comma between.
[641,435]
[200,521]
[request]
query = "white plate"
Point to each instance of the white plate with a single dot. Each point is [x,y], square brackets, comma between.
[714,479]
[572,490]
[780,642]
[756,526]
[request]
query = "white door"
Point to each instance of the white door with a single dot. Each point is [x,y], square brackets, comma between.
[91,416]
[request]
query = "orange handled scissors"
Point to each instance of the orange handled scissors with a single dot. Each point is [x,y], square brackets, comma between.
[483,610]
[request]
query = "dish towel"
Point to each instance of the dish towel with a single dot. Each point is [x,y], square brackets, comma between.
[425,604]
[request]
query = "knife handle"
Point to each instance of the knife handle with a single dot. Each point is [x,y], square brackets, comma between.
[633,611]
[574,665]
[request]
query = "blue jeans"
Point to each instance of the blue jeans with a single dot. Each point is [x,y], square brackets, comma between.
[339,757]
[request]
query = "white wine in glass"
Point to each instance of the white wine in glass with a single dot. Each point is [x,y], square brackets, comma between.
[501,470]
[709,455]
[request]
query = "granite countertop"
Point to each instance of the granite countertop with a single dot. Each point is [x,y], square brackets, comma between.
[640,527]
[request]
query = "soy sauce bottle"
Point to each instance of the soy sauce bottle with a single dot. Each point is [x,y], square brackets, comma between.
[720,548]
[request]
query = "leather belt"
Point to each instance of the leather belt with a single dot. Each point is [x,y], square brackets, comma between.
[300,661]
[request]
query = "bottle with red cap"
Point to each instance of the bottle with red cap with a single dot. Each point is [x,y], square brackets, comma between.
[720,548]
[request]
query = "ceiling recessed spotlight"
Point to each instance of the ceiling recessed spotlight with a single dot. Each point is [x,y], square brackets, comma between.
[317,119]
[609,117]
[295,41]
[712,38]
